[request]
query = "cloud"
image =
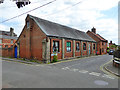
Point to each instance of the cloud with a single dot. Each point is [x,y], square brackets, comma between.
[82,16]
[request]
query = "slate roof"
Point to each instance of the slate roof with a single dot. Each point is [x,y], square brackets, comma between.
[98,36]
[6,33]
[57,30]
[8,37]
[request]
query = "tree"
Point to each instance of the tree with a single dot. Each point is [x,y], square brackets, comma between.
[19,3]
[113,46]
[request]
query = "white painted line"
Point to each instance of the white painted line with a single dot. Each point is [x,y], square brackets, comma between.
[95,73]
[83,71]
[108,76]
[74,70]
[65,68]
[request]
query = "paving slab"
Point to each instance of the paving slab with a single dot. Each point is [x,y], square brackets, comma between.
[112,69]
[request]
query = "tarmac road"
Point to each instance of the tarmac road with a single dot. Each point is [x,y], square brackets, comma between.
[83,73]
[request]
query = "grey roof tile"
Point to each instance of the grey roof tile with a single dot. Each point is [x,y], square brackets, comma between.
[57,30]
[8,37]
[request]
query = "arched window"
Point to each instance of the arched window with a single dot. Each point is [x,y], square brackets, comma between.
[77,46]
[55,46]
[84,46]
[94,46]
[68,46]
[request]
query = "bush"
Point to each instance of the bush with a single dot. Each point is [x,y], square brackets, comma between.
[108,51]
[54,59]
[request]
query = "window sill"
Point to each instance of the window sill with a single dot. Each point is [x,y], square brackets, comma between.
[55,52]
[69,51]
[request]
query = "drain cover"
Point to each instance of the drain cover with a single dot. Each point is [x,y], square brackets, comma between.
[100,82]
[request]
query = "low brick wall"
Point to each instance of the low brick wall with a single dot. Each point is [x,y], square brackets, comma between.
[7,52]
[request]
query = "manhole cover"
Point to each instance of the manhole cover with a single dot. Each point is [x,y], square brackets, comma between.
[100,82]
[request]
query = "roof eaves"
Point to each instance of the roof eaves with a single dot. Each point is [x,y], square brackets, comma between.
[71,38]
[32,17]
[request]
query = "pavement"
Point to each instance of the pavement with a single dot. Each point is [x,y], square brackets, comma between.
[112,69]
[17,60]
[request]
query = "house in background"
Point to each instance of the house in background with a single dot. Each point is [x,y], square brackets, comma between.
[101,42]
[112,46]
[7,38]
[40,38]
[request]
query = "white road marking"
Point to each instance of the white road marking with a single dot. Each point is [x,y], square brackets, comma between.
[108,76]
[74,70]
[91,73]
[95,73]
[65,68]
[83,71]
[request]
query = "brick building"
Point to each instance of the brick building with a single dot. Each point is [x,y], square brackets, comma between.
[40,38]
[7,38]
[101,42]
[110,46]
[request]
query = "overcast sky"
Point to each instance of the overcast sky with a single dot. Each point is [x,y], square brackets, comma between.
[101,14]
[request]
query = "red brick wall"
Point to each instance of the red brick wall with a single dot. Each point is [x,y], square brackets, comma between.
[68,54]
[31,41]
[37,37]
[94,50]
[99,44]
[7,52]
[84,52]
[7,42]
[59,54]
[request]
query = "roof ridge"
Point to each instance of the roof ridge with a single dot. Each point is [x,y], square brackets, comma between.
[56,23]
[58,30]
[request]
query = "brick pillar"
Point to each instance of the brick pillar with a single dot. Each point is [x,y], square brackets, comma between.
[46,50]
[18,50]
[87,49]
[63,48]
[96,47]
[92,48]
[81,48]
[73,48]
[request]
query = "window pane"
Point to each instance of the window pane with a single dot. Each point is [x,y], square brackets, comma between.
[11,41]
[77,46]
[84,46]
[28,24]
[0,41]
[55,46]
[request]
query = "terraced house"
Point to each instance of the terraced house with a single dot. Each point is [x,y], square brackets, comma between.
[101,42]
[7,38]
[40,38]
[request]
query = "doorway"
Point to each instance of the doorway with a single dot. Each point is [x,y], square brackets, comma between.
[15,50]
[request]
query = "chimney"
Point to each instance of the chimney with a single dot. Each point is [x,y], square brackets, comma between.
[11,32]
[93,30]
[110,42]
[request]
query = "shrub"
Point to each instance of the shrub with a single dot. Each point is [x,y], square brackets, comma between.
[54,59]
[108,51]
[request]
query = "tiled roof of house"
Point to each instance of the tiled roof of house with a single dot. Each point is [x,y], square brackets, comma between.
[57,30]
[6,33]
[98,36]
[8,37]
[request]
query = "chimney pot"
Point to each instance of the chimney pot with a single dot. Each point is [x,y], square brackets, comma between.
[11,32]
[111,42]
[93,30]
